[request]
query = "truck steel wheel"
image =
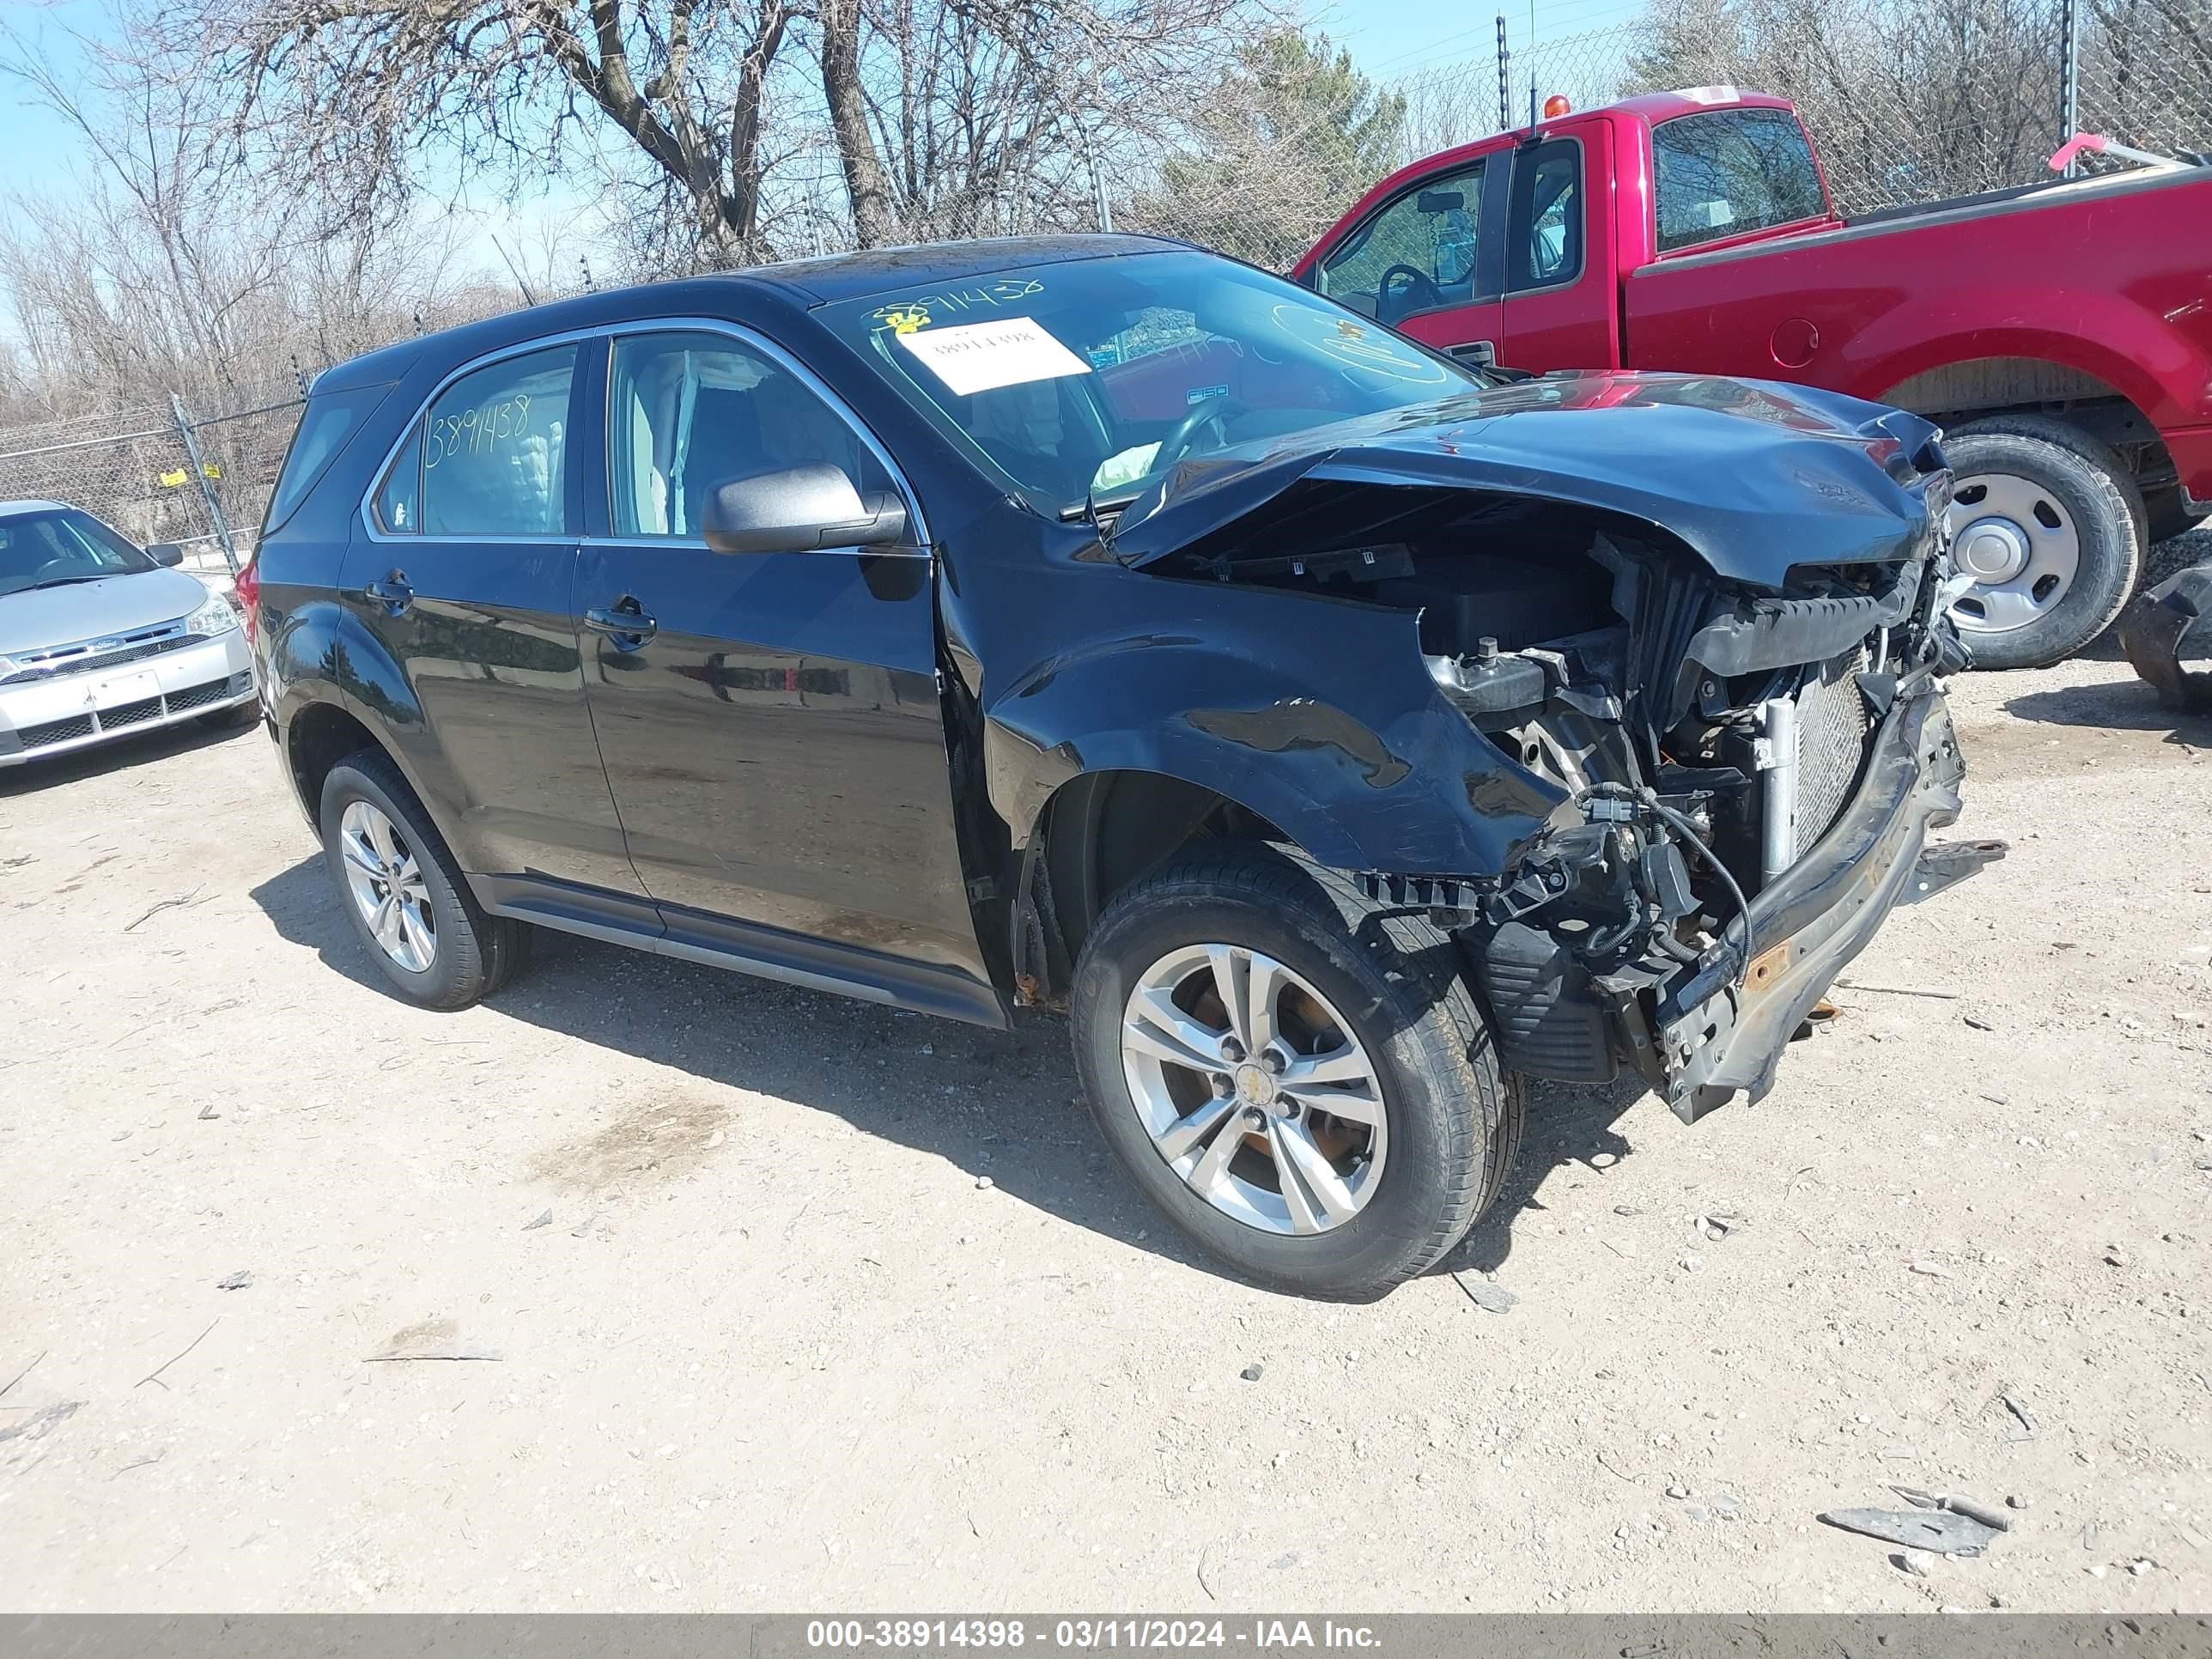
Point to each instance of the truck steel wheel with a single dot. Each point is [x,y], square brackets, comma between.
[2046,521]
[1282,1073]
[408,901]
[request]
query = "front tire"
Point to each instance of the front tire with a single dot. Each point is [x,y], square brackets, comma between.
[2051,525]
[409,902]
[1364,1123]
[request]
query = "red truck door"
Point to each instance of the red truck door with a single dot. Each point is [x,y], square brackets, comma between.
[1427,261]
[1559,254]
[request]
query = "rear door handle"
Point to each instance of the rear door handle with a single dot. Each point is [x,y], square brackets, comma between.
[391,591]
[624,622]
[1484,352]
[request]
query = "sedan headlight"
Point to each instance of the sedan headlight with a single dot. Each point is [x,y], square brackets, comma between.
[217,616]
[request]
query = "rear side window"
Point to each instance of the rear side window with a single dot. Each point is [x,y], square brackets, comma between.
[1416,253]
[489,457]
[1729,171]
[324,425]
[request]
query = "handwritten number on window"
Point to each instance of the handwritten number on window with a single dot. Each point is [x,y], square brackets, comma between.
[476,431]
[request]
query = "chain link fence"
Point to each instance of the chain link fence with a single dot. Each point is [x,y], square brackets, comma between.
[1898,120]
[197,474]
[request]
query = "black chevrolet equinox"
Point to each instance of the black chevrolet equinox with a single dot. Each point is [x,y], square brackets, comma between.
[1337,733]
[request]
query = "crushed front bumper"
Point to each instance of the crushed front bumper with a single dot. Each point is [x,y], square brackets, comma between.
[1708,1038]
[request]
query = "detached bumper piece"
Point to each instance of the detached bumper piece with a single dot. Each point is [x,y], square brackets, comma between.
[2167,631]
[1714,1039]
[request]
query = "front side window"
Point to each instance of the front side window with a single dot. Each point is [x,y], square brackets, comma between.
[1416,253]
[1730,170]
[1547,219]
[1078,383]
[61,546]
[688,411]
[489,457]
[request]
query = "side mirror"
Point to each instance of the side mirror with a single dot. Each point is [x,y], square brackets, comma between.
[165,553]
[797,510]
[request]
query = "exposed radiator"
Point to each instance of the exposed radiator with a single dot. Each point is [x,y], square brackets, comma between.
[1816,743]
[1832,735]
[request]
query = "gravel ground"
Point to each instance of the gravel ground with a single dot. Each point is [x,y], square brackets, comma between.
[840,1309]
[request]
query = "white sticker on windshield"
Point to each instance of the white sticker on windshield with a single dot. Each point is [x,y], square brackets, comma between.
[973,357]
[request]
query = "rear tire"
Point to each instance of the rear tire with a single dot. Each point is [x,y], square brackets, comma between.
[2037,476]
[1445,1118]
[441,949]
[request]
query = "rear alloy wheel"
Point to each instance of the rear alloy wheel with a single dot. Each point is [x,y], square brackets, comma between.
[2047,522]
[1301,1082]
[407,898]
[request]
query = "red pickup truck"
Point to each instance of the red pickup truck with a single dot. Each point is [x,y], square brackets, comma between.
[2061,332]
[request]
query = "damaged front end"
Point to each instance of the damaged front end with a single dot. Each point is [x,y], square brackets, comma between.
[1748,762]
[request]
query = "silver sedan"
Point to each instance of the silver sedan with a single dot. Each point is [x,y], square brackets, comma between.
[100,638]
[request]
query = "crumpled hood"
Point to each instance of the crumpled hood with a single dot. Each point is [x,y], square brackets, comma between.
[49,616]
[1754,475]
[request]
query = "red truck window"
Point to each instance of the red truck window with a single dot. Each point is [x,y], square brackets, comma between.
[1544,226]
[1414,253]
[1727,171]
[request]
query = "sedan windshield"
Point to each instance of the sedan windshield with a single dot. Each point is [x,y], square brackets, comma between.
[60,545]
[1085,381]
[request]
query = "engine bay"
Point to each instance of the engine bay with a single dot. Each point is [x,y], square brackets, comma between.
[1707,735]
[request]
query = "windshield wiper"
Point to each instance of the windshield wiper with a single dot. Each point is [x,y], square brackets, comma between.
[57,581]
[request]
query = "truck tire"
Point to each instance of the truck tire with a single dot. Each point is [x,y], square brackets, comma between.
[1300,1081]
[2050,524]
[409,902]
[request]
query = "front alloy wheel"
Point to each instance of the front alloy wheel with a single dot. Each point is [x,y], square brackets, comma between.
[1299,1080]
[1254,1089]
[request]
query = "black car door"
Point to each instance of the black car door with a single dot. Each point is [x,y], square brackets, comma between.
[769,722]
[465,574]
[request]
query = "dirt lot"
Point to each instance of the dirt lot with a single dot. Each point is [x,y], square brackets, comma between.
[841,1308]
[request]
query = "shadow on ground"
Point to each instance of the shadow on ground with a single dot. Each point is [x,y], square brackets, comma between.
[2114,706]
[1003,1104]
[122,754]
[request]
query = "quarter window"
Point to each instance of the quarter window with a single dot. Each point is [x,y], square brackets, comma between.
[1417,253]
[489,457]
[328,420]
[688,411]
[1729,171]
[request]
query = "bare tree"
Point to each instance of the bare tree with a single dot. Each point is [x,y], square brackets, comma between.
[1909,102]
[926,112]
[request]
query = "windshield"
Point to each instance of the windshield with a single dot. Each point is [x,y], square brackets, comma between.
[62,545]
[1089,378]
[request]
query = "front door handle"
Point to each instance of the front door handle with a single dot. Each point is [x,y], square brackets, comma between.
[624,622]
[1481,352]
[391,591]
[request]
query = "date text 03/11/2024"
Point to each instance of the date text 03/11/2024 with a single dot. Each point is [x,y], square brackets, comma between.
[1265,1634]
